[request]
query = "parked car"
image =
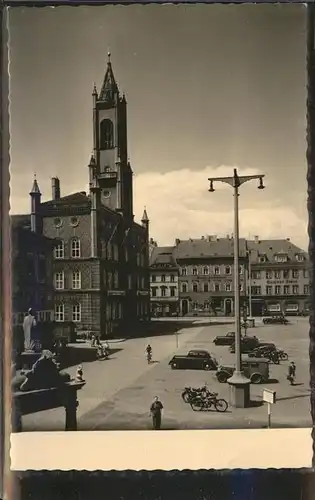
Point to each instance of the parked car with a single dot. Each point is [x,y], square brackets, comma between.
[275,319]
[196,359]
[247,344]
[257,370]
[227,339]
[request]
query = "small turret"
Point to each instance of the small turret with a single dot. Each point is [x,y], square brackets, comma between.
[35,195]
[145,219]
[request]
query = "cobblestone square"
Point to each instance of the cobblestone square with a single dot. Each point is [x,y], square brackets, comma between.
[119,391]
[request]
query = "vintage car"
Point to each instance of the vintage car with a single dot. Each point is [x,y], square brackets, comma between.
[275,319]
[247,344]
[196,359]
[227,339]
[257,370]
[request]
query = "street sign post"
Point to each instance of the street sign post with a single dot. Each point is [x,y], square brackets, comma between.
[269,397]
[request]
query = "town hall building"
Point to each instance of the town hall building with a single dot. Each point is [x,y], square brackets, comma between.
[101,262]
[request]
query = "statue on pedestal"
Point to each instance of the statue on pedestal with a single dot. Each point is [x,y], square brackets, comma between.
[29,325]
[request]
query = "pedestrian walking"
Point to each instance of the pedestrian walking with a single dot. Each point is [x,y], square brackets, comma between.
[292,372]
[156,413]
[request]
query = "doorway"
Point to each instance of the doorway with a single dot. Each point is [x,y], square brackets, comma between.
[228,307]
[184,307]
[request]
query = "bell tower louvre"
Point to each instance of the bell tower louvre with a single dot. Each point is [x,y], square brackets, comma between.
[112,171]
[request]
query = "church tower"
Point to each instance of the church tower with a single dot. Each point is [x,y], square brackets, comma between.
[112,169]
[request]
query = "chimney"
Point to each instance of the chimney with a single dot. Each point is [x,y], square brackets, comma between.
[55,187]
[256,239]
[202,237]
[177,242]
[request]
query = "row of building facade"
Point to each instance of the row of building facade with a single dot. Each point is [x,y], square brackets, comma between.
[196,276]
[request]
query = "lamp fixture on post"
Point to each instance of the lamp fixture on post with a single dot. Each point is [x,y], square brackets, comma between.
[239,384]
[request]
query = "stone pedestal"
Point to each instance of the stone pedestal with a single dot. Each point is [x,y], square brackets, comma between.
[28,359]
[239,390]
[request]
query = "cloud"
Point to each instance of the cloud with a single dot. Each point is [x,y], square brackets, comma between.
[179,206]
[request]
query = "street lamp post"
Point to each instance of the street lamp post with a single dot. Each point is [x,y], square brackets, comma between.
[239,384]
[250,284]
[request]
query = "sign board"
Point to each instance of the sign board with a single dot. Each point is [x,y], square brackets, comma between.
[269,396]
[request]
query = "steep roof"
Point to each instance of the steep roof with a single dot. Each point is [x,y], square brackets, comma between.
[162,256]
[208,247]
[270,248]
[78,198]
[109,87]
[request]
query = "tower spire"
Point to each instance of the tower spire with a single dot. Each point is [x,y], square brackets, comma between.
[145,218]
[109,88]
[35,188]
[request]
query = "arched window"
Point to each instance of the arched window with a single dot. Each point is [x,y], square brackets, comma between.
[228,270]
[107,134]
[59,312]
[206,270]
[184,287]
[75,248]
[76,313]
[59,251]
[195,287]
[206,287]
[195,271]
[228,286]
[184,271]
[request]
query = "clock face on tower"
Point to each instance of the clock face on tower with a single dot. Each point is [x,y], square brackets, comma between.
[106,193]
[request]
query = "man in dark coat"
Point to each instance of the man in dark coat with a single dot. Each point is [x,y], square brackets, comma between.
[292,371]
[156,413]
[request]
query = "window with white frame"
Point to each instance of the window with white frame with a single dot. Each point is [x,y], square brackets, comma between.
[206,270]
[216,270]
[59,280]
[75,248]
[300,257]
[206,287]
[153,291]
[295,273]
[59,251]
[195,287]
[183,271]
[59,312]
[228,270]
[163,291]
[269,275]
[76,313]
[228,286]
[195,271]
[241,270]
[76,280]
[277,275]
[184,287]
[217,287]
[295,289]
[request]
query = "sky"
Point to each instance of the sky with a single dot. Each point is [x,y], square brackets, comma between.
[209,88]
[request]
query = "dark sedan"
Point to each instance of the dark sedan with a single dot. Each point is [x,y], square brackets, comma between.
[196,359]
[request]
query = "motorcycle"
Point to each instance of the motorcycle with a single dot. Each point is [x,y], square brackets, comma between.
[283,355]
[199,403]
[190,393]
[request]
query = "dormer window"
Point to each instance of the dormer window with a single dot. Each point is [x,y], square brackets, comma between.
[300,257]
[281,258]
